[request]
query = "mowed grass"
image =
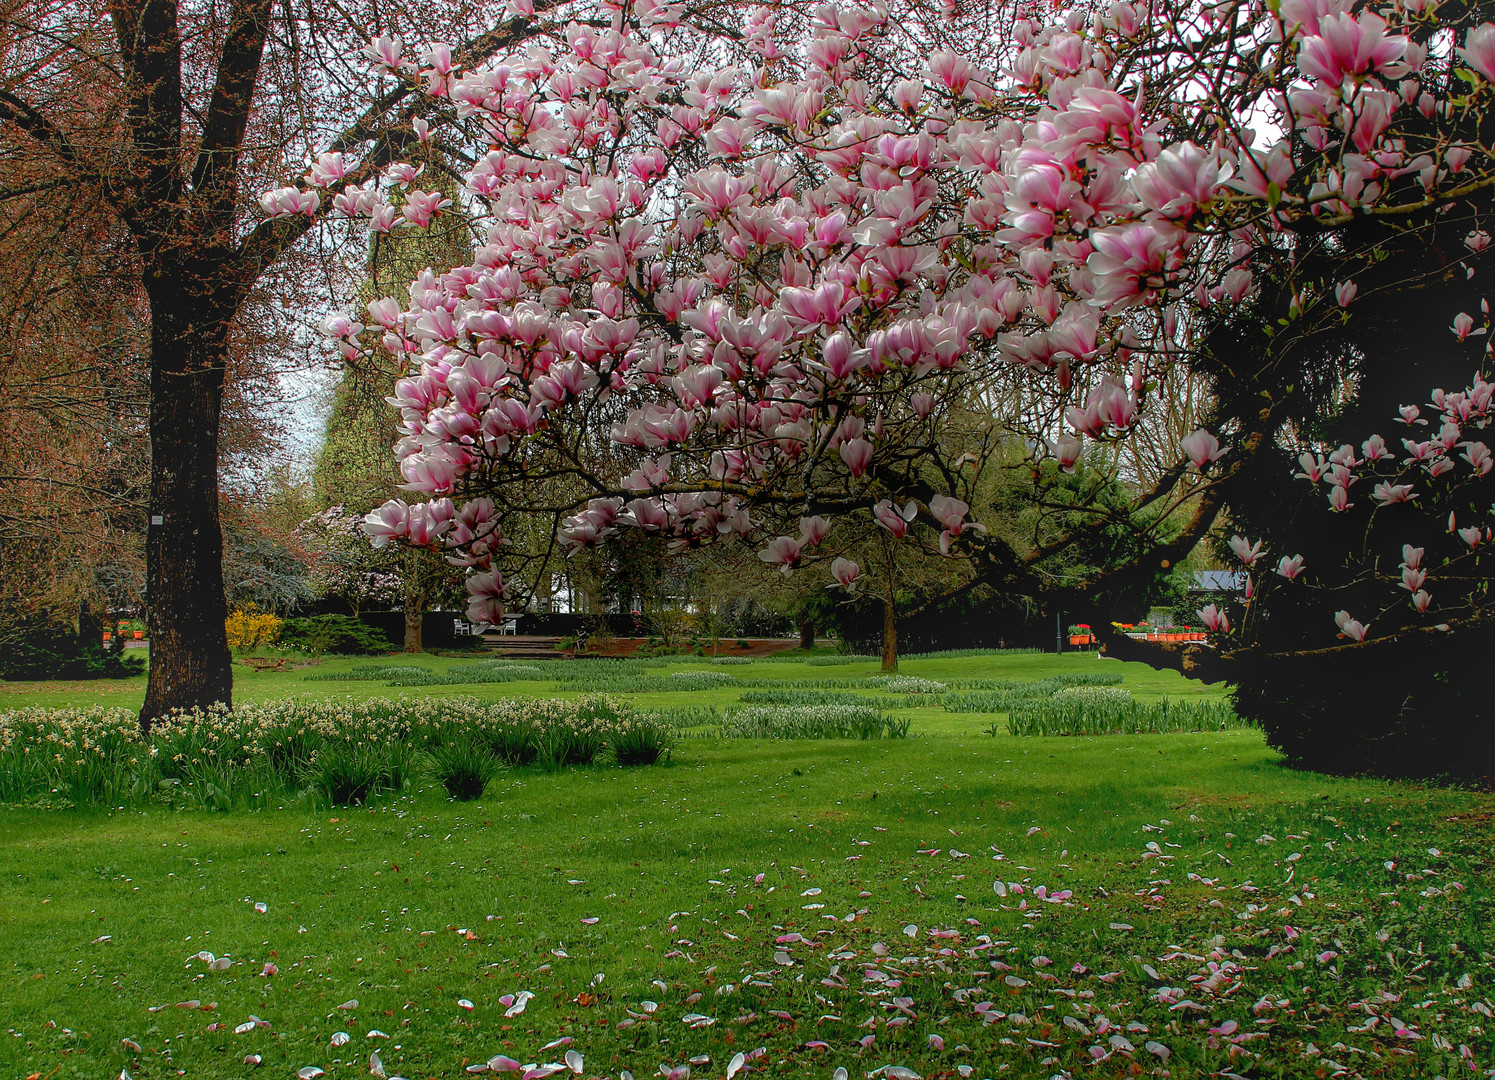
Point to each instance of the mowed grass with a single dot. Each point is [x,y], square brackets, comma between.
[1145,683]
[1214,911]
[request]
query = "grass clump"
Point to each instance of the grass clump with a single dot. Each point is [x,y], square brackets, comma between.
[907,684]
[464,766]
[641,739]
[828,697]
[348,773]
[1112,711]
[811,722]
[1003,695]
[468,674]
[371,673]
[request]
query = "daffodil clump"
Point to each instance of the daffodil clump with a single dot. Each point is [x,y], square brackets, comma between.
[340,749]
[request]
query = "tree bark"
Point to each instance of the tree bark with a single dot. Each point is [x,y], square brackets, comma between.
[889,635]
[413,619]
[190,662]
[807,633]
[416,600]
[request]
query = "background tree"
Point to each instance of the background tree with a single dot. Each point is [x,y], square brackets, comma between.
[173,117]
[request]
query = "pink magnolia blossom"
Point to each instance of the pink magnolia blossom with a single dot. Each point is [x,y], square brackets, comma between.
[289,201]
[893,519]
[1201,448]
[783,551]
[1214,619]
[1386,494]
[1245,550]
[950,513]
[1130,263]
[1182,180]
[388,522]
[1479,50]
[857,454]
[1067,450]
[1350,627]
[846,573]
[1290,567]
[1347,46]
[486,592]
[814,530]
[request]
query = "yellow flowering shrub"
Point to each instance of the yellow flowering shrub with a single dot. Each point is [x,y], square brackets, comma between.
[249,629]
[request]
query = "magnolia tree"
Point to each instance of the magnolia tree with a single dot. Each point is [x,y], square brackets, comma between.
[719,299]
[341,564]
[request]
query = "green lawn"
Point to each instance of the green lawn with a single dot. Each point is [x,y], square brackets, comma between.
[1231,914]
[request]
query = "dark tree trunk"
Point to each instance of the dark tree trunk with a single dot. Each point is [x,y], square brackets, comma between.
[889,635]
[807,633]
[190,665]
[416,599]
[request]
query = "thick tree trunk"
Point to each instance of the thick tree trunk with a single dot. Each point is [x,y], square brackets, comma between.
[889,635]
[190,665]
[807,633]
[416,600]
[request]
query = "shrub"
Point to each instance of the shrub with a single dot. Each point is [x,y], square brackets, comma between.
[338,634]
[45,650]
[249,628]
[464,766]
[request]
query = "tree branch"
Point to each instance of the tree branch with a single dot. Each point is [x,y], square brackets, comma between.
[215,175]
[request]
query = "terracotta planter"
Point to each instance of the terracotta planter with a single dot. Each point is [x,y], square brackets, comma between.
[107,635]
[1079,639]
[139,635]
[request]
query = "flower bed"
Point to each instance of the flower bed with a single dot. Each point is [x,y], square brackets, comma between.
[1109,710]
[811,722]
[337,750]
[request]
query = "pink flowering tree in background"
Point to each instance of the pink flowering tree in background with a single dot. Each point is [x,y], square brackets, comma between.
[341,564]
[717,298]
